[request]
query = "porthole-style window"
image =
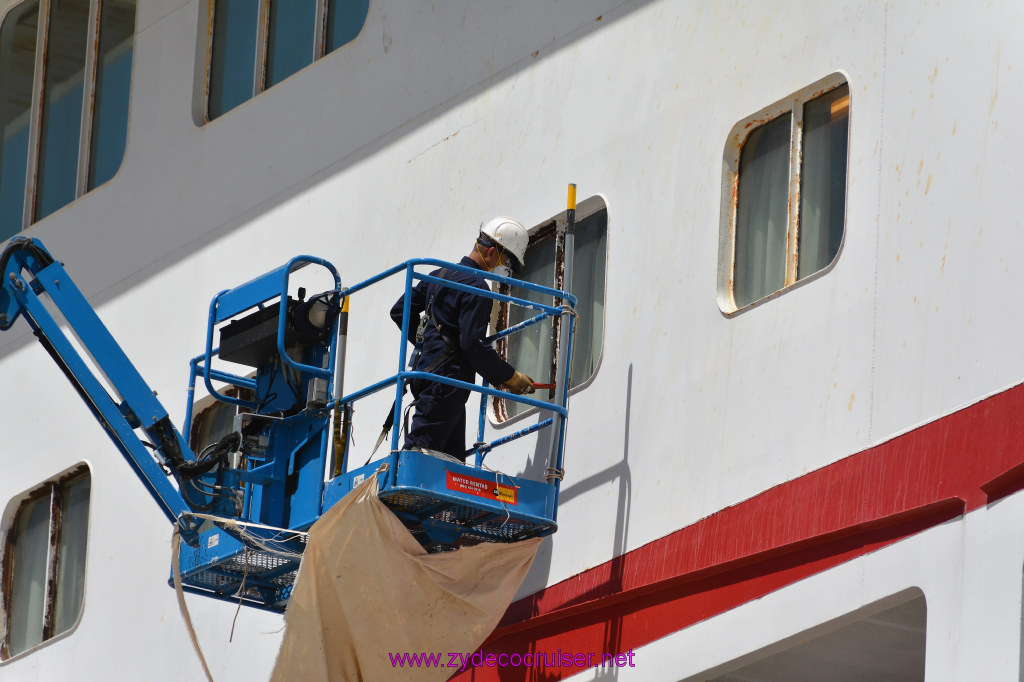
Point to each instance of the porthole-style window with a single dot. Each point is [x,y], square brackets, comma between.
[532,350]
[784,194]
[46,533]
[65,75]
[255,44]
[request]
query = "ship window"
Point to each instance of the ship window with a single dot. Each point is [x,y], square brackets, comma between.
[784,194]
[214,419]
[65,68]
[532,350]
[255,45]
[46,531]
[884,640]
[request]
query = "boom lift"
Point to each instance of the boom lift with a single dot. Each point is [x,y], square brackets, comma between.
[244,502]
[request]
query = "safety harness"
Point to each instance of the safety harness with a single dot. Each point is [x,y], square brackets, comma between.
[441,358]
[451,348]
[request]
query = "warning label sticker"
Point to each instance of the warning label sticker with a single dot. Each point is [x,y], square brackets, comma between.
[482,488]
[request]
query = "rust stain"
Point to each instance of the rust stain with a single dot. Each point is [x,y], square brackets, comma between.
[849,406]
[795,257]
[556,322]
[51,489]
[209,60]
[6,588]
[600,18]
[503,317]
[50,608]
[497,404]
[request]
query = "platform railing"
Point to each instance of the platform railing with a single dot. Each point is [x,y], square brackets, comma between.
[401,378]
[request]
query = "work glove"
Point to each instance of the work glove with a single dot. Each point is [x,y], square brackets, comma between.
[520,383]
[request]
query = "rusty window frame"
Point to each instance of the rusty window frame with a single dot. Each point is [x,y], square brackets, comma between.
[320,49]
[86,119]
[207,409]
[54,489]
[551,229]
[792,106]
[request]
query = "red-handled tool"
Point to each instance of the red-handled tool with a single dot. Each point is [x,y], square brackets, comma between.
[550,386]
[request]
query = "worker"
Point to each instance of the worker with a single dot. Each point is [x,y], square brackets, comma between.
[451,339]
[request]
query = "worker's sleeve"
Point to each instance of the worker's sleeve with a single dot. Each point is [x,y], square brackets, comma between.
[417,304]
[474,315]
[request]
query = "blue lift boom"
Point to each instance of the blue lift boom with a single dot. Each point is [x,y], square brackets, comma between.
[244,502]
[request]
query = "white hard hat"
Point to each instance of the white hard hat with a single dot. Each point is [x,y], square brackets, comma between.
[510,235]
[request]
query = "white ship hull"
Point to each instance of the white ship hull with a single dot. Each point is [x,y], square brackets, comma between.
[735,484]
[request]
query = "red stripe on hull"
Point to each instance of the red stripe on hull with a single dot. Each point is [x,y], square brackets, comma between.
[855,506]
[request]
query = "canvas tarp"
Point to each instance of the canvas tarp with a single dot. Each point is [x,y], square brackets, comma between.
[367,589]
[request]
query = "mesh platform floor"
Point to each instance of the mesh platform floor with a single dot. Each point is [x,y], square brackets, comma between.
[268,576]
[475,525]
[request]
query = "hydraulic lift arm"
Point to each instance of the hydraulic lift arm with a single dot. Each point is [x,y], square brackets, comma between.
[244,500]
[37,287]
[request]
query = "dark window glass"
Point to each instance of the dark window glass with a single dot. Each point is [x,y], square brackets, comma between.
[57,180]
[17,63]
[823,180]
[589,264]
[531,351]
[28,580]
[762,212]
[44,563]
[290,38]
[71,544]
[113,80]
[233,62]
[345,19]
[253,51]
[790,210]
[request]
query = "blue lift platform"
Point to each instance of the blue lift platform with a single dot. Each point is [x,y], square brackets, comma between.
[254,553]
[243,504]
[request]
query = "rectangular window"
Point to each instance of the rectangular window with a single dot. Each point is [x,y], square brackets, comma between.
[290,41]
[884,640]
[113,77]
[345,19]
[255,44]
[44,561]
[65,70]
[60,132]
[531,351]
[784,196]
[17,60]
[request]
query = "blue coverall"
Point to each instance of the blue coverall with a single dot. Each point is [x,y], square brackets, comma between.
[440,419]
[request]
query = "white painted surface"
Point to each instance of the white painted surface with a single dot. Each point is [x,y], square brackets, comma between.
[441,115]
[970,572]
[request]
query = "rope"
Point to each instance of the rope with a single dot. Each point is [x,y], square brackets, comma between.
[553,473]
[176,567]
[497,474]
[252,540]
[241,591]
